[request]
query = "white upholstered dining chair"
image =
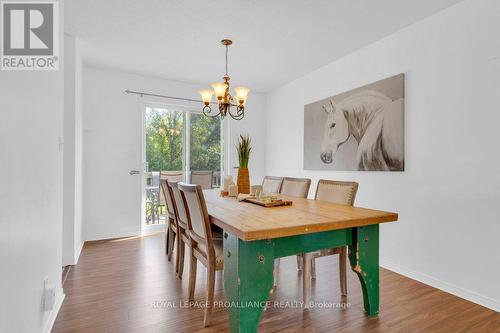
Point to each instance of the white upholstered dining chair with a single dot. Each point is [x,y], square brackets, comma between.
[293,187]
[203,178]
[171,231]
[182,226]
[343,193]
[271,184]
[172,176]
[204,247]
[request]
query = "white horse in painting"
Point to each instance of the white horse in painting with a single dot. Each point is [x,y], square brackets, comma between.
[375,121]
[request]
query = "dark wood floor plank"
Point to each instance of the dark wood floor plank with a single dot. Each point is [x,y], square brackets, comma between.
[121,286]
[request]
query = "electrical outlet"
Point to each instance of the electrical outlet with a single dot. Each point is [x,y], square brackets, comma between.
[49,295]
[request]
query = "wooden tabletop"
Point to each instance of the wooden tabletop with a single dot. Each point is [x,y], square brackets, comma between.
[253,222]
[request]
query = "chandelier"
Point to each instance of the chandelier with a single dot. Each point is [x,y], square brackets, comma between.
[233,106]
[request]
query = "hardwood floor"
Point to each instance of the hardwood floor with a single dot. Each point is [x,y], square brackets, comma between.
[124,285]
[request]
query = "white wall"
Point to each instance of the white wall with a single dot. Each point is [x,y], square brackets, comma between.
[31,111]
[447,235]
[113,142]
[72,178]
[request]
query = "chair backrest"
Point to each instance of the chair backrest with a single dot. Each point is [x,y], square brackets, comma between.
[175,176]
[203,178]
[180,209]
[343,193]
[196,208]
[165,192]
[296,187]
[272,184]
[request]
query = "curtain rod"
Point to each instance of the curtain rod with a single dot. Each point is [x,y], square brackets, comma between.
[164,96]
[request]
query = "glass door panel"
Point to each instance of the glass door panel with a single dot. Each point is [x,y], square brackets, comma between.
[164,152]
[205,151]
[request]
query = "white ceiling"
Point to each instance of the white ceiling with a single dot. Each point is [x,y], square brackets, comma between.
[275,41]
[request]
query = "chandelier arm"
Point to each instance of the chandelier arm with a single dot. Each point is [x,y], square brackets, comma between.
[240,113]
[236,117]
[240,109]
[207,111]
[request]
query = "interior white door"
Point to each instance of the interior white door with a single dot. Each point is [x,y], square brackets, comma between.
[113,169]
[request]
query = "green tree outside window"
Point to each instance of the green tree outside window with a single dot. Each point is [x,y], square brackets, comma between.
[165,141]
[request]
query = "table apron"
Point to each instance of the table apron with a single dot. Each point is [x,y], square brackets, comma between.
[287,246]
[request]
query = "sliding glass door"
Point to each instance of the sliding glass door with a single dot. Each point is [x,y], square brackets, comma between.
[179,145]
[205,145]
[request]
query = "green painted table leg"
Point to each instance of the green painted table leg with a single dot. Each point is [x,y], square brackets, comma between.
[248,279]
[363,255]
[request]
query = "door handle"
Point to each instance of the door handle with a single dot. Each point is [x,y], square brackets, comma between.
[134,172]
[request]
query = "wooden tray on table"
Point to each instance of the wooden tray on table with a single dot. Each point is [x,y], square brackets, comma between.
[275,203]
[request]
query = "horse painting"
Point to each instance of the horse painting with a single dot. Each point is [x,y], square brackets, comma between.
[375,121]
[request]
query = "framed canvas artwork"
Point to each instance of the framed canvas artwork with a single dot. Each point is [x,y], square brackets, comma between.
[358,130]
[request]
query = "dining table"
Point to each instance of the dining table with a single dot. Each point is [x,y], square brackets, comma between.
[254,236]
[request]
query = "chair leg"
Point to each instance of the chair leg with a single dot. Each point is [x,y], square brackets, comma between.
[171,244]
[343,271]
[306,279]
[193,262]
[178,250]
[299,262]
[170,241]
[313,268]
[276,271]
[180,255]
[167,241]
[210,293]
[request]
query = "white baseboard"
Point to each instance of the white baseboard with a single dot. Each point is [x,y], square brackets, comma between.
[53,313]
[112,235]
[148,229]
[471,296]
